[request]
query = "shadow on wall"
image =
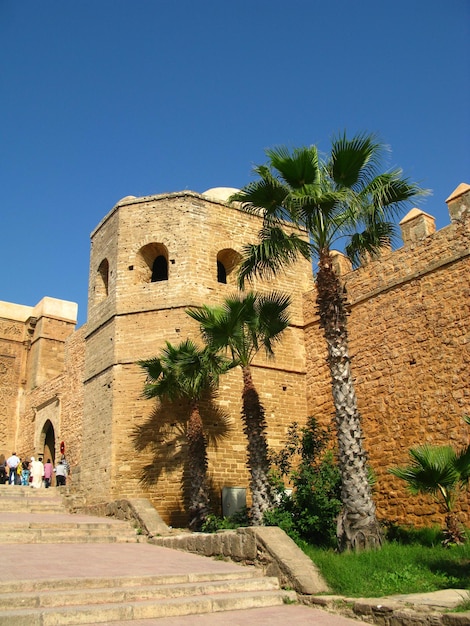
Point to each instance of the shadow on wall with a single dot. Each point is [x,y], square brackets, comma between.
[163,435]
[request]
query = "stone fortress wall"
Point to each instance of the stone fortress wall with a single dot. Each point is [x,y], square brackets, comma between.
[409,336]
[410,346]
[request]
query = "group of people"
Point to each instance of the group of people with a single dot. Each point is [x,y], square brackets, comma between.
[34,473]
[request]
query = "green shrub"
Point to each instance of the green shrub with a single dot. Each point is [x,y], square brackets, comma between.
[213,523]
[309,512]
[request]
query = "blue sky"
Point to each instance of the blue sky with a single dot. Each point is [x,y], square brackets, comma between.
[101,99]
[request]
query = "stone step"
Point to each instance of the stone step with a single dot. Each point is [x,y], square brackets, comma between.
[30,496]
[23,532]
[30,585]
[47,598]
[114,526]
[7,491]
[144,609]
[71,521]
[68,536]
[26,500]
[34,508]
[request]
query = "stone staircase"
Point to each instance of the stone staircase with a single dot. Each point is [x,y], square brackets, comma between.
[38,517]
[94,601]
[16,499]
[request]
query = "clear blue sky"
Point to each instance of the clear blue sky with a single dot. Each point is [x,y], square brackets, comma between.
[101,99]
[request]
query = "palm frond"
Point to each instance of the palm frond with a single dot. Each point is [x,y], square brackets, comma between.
[273,317]
[370,241]
[344,197]
[296,169]
[389,193]
[215,325]
[182,371]
[462,465]
[266,194]
[275,250]
[432,468]
[354,162]
[243,323]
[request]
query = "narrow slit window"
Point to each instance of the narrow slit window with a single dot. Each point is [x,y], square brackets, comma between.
[221,273]
[102,281]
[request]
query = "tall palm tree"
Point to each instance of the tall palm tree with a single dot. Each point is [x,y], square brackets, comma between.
[185,372]
[342,197]
[244,324]
[441,472]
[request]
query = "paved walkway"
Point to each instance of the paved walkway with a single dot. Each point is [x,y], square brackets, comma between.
[89,560]
[37,561]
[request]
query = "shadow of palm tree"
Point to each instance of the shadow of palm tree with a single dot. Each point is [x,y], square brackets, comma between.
[457,571]
[163,434]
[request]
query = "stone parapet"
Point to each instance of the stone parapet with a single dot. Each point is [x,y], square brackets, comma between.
[269,548]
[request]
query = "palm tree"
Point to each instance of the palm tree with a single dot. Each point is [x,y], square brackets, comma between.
[342,197]
[186,372]
[441,472]
[244,324]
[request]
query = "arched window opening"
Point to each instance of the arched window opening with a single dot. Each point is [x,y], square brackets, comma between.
[159,269]
[221,273]
[227,261]
[102,281]
[151,264]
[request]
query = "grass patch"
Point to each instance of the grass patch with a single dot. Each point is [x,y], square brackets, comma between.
[396,568]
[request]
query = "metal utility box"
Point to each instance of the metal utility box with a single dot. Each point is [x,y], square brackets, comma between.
[233,500]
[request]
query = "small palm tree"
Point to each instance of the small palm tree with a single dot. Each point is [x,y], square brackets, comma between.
[244,324]
[440,472]
[187,372]
[344,197]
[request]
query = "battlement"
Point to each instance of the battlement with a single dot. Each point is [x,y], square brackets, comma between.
[415,227]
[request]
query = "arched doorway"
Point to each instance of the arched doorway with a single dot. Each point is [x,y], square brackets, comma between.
[48,441]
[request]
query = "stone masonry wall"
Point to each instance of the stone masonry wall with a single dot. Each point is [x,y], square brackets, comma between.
[410,346]
[133,322]
[60,400]
[409,341]
[13,354]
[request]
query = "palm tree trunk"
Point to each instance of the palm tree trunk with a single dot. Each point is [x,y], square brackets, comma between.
[197,470]
[453,532]
[254,427]
[358,527]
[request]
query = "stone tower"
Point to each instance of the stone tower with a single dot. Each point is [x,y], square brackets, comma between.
[151,259]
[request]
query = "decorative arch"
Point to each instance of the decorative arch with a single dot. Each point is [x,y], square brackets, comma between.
[152,263]
[227,261]
[102,281]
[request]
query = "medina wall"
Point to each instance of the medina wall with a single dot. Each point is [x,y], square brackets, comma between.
[138,449]
[409,330]
[41,361]
[409,340]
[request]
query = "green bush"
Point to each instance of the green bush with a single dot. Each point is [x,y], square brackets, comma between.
[213,523]
[307,513]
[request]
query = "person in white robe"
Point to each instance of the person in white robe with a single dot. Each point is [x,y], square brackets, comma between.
[37,472]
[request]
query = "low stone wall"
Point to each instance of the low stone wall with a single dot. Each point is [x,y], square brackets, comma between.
[414,610]
[268,548]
